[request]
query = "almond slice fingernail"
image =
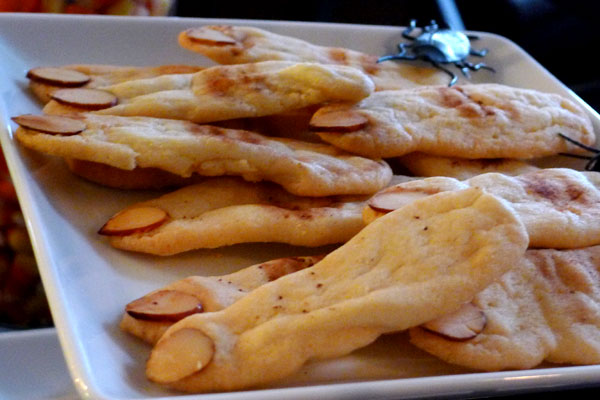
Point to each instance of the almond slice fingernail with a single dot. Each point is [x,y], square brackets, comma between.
[90,99]
[164,305]
[51,124]
[387,201]
[338,121]
[179,355]
[134,220]
[464,324]
[209,37]
[58,76]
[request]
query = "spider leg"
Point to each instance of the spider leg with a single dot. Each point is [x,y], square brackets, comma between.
[592,165]
[432,27]
[576,143]
[399,56]
[452,75]
[479,53]
[396,57]
[411,27]
[402,47]
[477,67]
[464,68]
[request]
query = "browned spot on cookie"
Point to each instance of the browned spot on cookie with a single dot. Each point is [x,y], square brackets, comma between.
[220,82]
[575,193]
[248,137]
[339,56]
[543,188]
[369,64]
[455,97]
[561,194]
[450,97]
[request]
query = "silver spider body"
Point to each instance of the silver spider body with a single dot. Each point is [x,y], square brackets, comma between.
[439,46]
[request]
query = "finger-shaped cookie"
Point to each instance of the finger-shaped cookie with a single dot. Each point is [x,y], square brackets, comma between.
[226,211]
[559,206]
[426,165]
[470,121]
[403,269]
[546,308]
[149,316]
[45,81]
[184,148]
[243,44]
[234,91]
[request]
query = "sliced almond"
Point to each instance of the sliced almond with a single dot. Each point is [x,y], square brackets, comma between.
[164,305]
[58,76]
[466,323]
[179,355]
[134,220]
[90,99]
[387,201]
[338,121]
[51,124]
[209,37]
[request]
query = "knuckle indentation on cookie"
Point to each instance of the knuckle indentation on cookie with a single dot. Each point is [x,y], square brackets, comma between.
[464,324]
[91,99]
[58,76]
[50,124]
[209,37]
[134,220]
[338,121]
[179,355]
[164,305]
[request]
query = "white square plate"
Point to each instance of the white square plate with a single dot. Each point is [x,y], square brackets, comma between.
[33,366]
[88,282]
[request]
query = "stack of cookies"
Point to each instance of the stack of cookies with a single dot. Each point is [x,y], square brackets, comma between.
[482,255]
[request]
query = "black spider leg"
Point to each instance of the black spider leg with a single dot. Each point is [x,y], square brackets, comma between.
[453,77]
[432,27]
[465,66]
[401,55]
[592,161]
[479,53]
[475,67]
[411,27]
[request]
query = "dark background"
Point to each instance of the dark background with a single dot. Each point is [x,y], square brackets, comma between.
[562,35]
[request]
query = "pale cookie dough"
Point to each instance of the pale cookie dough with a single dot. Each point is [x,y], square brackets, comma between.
[426,165]
[213,293]
[100,75]
[470,121]
[236,91]
[559,207]
[242,44]
[225,211]
[184,148]
[547,308]
[452,245]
